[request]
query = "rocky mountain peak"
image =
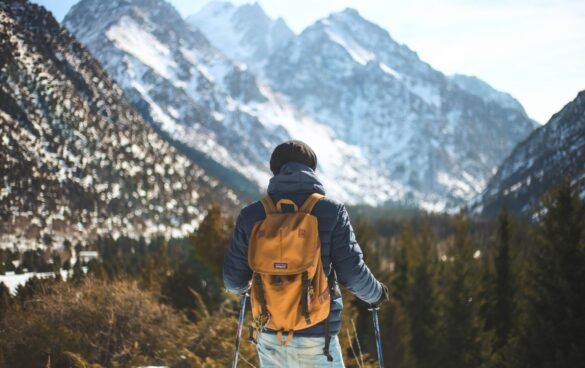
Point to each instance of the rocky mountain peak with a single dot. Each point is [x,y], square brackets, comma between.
[244,33]
[89,19]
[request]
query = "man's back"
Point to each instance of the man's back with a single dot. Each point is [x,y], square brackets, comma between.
[339,249]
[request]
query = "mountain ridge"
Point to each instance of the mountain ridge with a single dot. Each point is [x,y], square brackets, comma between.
[399,130]
[554,151]
[204,100]
[427,132]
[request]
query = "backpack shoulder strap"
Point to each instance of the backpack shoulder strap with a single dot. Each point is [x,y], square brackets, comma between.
[310,202]
[268,205]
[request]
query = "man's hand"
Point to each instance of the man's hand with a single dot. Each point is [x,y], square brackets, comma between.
[384,297]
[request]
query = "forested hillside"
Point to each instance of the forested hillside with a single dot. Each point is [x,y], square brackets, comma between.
[503,293]
[76,159]
[554,152]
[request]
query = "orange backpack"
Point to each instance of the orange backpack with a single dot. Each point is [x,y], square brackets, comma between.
[289,287]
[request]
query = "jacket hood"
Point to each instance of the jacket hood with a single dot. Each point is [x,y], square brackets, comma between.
[295,177]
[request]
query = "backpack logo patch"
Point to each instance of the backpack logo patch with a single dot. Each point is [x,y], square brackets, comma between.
[324,296]
[302,233]
[280,265]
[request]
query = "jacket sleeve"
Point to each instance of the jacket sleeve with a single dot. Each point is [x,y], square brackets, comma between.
[348,261]
[236,272]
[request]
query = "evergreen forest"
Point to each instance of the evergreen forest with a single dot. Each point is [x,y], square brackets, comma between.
[465,292]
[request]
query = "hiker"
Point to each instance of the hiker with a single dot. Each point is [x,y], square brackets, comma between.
[295,190]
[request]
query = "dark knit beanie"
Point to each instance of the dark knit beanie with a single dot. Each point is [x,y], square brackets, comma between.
[292,151]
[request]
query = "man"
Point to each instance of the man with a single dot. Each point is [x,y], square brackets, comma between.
[293,164]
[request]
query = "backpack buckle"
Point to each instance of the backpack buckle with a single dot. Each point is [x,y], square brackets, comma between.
[253,335]
[258,324]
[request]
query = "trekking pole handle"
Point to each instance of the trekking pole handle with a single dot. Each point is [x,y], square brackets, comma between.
[245,296]
[378,336]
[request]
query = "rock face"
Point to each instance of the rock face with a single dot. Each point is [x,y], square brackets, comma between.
[77,160]
[244,33]
[196,96]
[553,152]
[440,136]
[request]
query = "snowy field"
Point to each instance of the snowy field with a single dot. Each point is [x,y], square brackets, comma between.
[12,280]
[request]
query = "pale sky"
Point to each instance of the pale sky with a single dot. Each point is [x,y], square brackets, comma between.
[532,49]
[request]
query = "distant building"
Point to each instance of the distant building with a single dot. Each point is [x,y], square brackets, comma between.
[87,255]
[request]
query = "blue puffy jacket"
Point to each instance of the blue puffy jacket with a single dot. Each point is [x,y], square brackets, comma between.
[339,248]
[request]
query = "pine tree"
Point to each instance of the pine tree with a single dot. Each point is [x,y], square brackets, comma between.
[367,238]
[162,262]
[460,335]
[423,302]
[212,238]
[4,258]
[4,300]
[30,289]
[56,258]
[504,291]
[78,249]
[156,267]
[148,274]
[497,296]
[178,288]
[553,330]
[396,336]
[67,246]
[78,273]
[67,265]
[96,269]
[402,276]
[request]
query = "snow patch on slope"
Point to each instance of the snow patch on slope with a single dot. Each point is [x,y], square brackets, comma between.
[386,69]
[127,35]
[354,49]
[343,168]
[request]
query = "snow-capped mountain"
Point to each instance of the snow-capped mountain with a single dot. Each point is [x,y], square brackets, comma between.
[387,127]
[436,135]
[76,160]
[197,96]
[554,152]
[243,33]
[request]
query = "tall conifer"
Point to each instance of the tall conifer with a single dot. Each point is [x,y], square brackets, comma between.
[423,302]
[553,332]
[212,238]
[504,292]
[460,337]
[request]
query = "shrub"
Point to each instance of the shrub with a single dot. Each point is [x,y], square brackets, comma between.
[111,324]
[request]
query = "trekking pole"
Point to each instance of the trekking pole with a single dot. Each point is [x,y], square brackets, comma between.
[378,336]
[245,296]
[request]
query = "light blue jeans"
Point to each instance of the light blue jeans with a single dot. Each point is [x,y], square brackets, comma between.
[300,352]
